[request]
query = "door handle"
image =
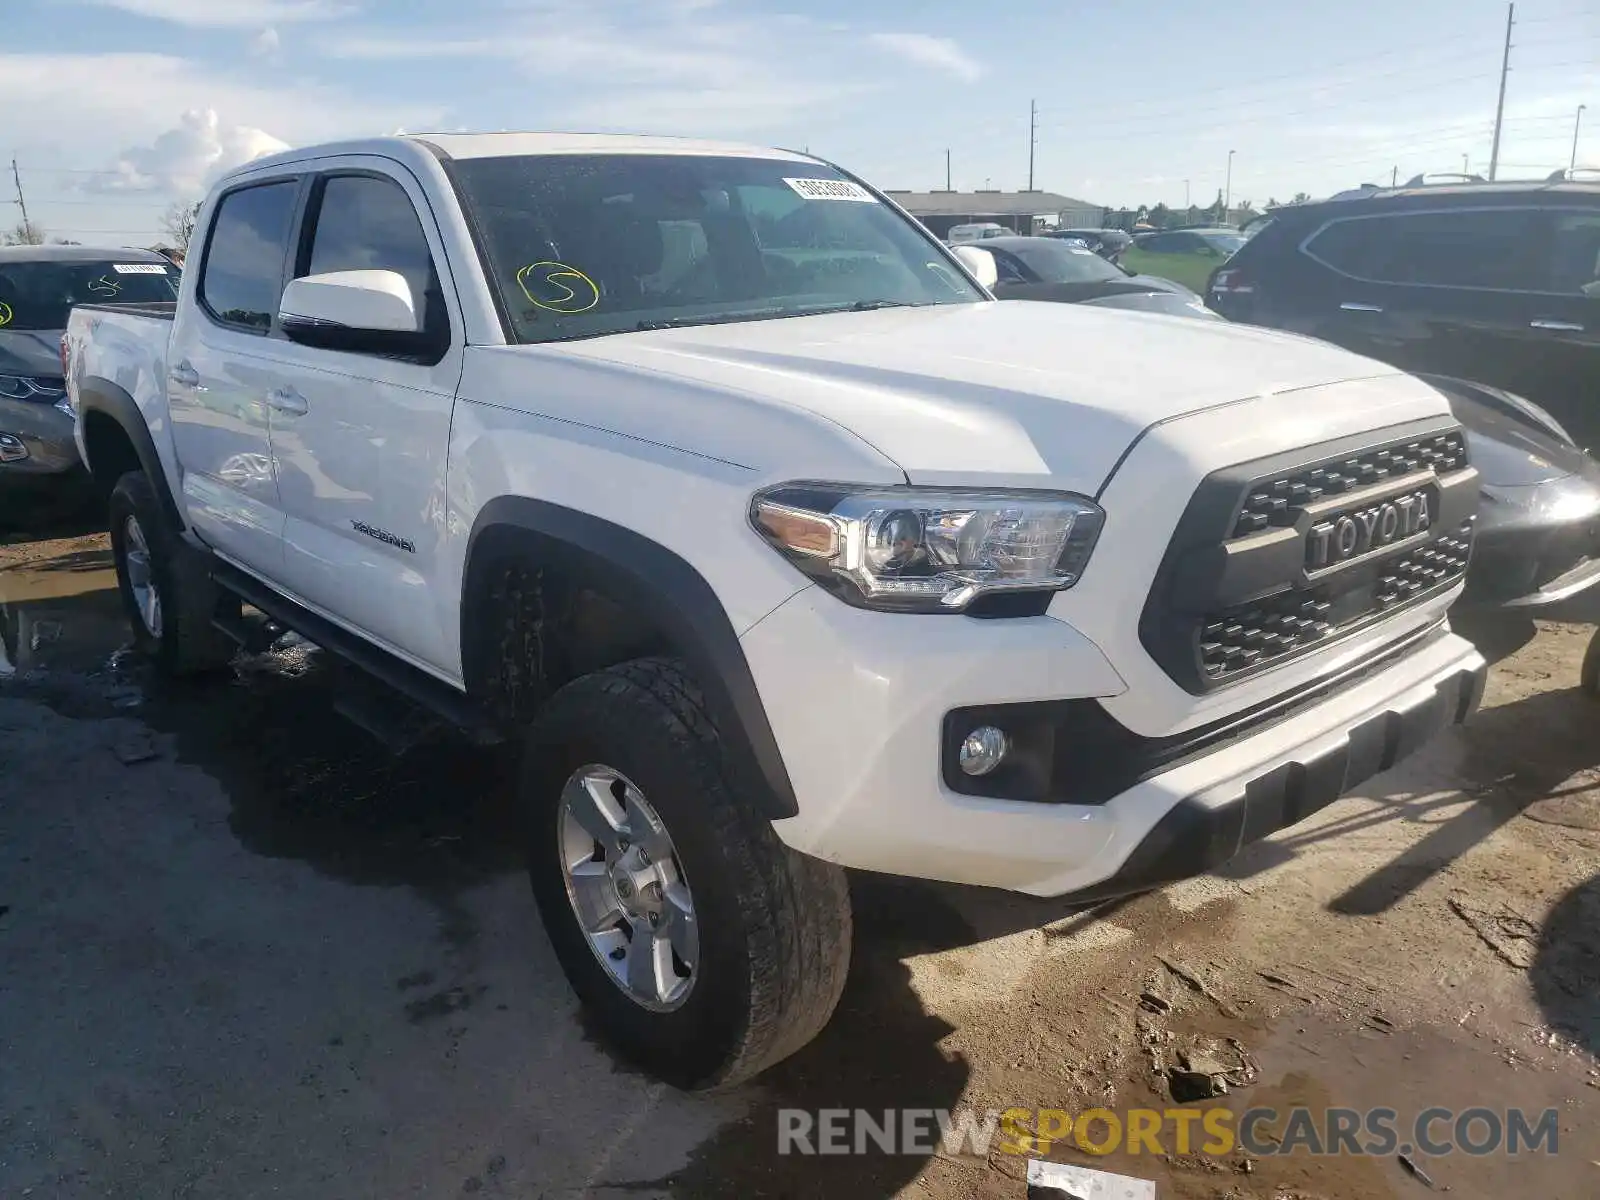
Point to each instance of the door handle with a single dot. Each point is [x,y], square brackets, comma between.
[184,375]
[289,401]
[1352,306]
[1556,326]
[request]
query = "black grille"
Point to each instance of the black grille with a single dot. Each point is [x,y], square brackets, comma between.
[1277,501]
[1252,635]
[1275,557]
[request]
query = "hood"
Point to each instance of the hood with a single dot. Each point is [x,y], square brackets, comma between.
[1022,392]
[1509,447]
[1171,303]
[30,352]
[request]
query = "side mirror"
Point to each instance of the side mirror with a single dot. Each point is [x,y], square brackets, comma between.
[363,312]
[980,263]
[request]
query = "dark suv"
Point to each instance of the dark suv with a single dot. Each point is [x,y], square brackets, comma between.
[1493,282]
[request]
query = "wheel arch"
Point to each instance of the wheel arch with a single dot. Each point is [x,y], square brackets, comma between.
[116,440]
[669,607]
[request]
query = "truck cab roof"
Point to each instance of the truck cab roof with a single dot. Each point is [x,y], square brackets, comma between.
[512,144]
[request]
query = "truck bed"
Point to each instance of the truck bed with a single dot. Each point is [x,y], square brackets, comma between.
[161,310]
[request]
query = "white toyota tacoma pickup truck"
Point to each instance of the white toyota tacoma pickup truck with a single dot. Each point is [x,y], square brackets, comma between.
[704,472]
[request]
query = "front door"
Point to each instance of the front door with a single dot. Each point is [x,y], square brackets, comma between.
[219,367]
[360,440]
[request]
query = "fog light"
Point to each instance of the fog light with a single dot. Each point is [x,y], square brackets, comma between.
[983,750]
[12,449]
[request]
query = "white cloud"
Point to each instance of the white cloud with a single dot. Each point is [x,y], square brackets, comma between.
[188,157]
[680,66]
[87,97]
[230,14]
[929,51]
[266,43]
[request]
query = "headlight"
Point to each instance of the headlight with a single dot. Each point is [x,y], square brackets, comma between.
[911,549]
[32,387]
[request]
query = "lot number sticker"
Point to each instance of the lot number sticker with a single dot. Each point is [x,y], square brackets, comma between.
[831,189]
[138,268]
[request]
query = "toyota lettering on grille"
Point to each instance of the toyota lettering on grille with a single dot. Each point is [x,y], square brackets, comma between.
[1361,531]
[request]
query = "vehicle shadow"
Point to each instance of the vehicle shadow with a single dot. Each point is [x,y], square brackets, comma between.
[881,1051]
[1512,757]
[440,820]
[1566,968]
[36,511]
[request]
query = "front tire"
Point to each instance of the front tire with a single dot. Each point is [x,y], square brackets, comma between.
[724,951]
[167,593]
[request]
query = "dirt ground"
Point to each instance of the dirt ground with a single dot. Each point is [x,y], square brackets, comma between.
[246,951]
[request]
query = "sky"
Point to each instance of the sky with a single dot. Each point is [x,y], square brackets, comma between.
[114,109]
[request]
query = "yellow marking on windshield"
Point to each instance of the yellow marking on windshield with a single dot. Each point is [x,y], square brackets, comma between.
[580,298]
[5,313]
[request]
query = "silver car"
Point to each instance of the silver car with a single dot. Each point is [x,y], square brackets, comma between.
[38,287]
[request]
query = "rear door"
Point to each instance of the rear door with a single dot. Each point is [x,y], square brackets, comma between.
[220,371]
[361,440]
[1563,372]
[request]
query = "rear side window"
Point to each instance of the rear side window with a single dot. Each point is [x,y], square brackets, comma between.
[1479,248]
[242,280]
[1575,254]
[365,223]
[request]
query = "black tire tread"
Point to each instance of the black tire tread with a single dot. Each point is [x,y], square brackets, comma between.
[189,644]
[795,909]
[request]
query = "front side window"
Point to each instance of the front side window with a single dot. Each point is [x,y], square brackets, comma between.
[38,295]
[242,280]
[365,223]
[590,244]
[1476,248]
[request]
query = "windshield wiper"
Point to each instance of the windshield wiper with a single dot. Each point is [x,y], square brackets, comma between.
[869,305]
[755,314]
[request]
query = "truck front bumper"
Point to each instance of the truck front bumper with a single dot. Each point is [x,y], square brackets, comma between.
[859,704]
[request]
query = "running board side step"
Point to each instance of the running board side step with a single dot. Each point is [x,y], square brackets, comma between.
[432,694]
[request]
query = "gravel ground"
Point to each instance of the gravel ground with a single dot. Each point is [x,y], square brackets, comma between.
[245,951]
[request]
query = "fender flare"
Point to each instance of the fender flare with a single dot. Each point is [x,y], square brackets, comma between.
[686,606]
[96,394]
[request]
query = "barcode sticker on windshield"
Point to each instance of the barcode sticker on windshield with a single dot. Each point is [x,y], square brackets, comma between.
[831,189]
[138,268]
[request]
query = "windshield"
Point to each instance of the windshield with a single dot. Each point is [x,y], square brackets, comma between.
[586,244]
[38,295]
[1055,260]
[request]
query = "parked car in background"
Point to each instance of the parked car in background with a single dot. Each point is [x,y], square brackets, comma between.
[1494,282]
[38,287]
[1187,255]
[1538,531]
[977,232]
[1040,268]
[1107,243]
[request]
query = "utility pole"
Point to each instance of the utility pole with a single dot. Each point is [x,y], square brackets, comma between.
[1186,203]
[1465,168]
[1033,137]
[21,203]
[947,186]
[1227,203]
[1394,176]
[1500,105]
[1577,123]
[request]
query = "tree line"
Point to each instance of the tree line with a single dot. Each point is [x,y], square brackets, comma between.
[1161,216]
